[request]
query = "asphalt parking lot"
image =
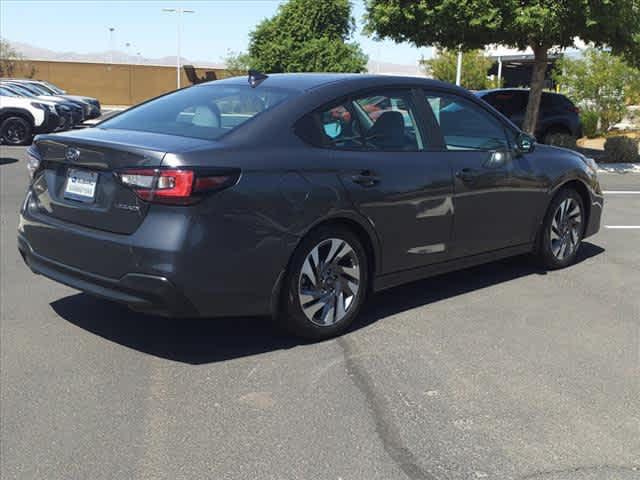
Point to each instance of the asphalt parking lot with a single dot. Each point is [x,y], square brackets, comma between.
[498,372]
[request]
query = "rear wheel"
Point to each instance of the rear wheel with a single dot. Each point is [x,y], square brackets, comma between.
[16,131]
[562,230]
[326,284]
[559,137]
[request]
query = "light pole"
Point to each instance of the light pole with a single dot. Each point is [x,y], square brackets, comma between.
[111,29]
[179,11]
[459,69]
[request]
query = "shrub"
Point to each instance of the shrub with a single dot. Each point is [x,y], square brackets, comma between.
[601,80]
[589,120]
[621,150]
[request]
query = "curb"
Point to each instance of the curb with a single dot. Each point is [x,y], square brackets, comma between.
[619,168]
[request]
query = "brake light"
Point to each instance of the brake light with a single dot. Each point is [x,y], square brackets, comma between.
[174,186]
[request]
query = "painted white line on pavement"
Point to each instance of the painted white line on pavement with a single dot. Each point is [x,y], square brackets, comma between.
[623,227]
[621,192]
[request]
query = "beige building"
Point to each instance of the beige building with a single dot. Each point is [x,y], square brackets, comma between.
[112,84]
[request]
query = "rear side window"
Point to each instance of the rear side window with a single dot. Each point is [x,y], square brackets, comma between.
[206,112]
[465,125]
[384,122]
[508,102]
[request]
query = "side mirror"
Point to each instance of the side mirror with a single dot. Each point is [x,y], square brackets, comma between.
[525,143]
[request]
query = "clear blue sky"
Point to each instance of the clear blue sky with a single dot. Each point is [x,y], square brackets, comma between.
[217,26]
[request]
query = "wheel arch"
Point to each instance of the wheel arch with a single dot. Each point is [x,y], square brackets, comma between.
[556,127]
[365,233]
[7,112]
[583,190]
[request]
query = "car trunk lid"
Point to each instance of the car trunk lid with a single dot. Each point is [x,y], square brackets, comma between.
[78,182]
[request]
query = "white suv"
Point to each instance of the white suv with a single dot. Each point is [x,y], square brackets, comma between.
[21,118]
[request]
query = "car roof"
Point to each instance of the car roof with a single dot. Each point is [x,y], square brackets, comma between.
[482,93]
[310,81]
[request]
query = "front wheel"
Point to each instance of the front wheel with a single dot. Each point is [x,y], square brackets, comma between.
[15,131]
[326,284]
[562,230]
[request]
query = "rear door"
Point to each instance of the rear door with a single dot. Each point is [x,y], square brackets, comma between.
[78,184]
[381,150]
[496,192]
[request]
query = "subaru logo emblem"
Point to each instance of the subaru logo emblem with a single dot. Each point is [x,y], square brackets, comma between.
[72,154]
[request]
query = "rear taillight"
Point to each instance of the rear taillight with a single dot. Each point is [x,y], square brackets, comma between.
[174,186]
[33,160]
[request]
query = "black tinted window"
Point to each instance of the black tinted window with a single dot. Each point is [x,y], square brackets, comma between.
[507,102]
[206,112]
[466,126]
[382,121]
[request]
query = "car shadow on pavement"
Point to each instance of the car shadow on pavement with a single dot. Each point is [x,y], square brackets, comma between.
[200,341]
[7,160]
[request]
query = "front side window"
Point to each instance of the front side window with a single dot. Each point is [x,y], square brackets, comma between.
[206,112]
[384,122]
[466,126]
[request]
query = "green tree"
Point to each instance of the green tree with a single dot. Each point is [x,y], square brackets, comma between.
[237,63]
[307,36]
[599,81]
[475,67]
[541,25]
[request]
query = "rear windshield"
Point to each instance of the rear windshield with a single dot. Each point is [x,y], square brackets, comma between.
[206,111]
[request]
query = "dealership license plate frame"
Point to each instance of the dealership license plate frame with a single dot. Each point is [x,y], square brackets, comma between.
[81,185]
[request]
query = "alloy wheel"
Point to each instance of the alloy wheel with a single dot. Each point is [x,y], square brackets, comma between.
[329,282]
[15,132]
[566,228]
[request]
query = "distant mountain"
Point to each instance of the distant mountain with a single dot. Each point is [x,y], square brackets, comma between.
[37,53]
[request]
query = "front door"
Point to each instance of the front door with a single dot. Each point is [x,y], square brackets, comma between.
[497,193]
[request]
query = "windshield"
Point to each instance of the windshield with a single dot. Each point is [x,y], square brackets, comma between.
[206,112]
[37,89]
[52,88]
[22,91]
[6,92]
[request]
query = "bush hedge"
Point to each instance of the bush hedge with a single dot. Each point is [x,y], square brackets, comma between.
[621,150]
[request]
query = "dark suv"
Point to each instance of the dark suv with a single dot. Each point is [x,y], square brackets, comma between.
[558,115]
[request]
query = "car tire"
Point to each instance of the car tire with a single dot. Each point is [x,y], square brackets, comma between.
[562,230]
[558,136]
[326,284]
[16,131]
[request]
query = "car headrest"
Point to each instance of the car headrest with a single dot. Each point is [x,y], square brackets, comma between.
[206,116]
[388,131]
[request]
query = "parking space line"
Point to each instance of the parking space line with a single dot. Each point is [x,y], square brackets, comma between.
[623,227]
[621,192]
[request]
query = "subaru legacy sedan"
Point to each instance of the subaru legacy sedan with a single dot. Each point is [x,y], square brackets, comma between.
[296,196]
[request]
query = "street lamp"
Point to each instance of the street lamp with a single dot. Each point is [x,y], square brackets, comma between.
[179,11]
[111,29]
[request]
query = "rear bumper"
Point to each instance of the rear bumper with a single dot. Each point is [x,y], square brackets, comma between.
[140,292]
[174,264]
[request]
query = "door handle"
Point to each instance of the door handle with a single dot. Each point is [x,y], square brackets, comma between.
[366,178]
[467,174]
